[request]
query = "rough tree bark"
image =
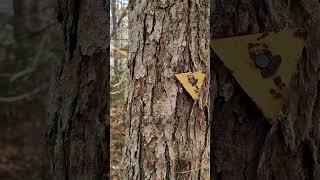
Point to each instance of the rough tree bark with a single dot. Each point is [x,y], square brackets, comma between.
[78,134]
[243,145]
[167,132]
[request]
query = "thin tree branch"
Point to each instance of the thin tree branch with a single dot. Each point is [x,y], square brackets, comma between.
[25,95]
[24,37]
[35,63]
[120,81]
[116,92]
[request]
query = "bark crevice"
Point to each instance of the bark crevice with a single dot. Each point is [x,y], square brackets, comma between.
[78,132]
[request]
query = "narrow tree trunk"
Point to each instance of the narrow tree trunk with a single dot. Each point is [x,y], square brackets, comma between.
[78,131]
[26,17]
[243,145]
[115,35]
[167,132]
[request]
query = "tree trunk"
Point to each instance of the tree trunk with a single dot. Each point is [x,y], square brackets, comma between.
[26,17]
[167,132]
[115,35]
[243,145]
[78,134]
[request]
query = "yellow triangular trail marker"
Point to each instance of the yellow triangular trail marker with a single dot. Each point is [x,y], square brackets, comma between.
[192,82]
[263,65]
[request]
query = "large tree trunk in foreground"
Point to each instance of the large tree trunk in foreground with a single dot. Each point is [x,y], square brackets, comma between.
[243,145]
[78,135]
[167,132]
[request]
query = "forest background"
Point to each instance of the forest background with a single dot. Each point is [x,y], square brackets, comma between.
[30,47]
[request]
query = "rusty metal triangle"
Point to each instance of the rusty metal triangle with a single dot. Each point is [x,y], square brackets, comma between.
[263,64]
[192,82]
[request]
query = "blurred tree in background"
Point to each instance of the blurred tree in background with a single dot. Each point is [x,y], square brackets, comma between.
[29,47]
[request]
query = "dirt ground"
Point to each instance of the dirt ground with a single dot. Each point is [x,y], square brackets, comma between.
[23,127]
[22,141]
[23,153]
[117,137]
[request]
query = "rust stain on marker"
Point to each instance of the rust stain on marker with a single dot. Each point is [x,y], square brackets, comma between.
[263,64]
[192,82]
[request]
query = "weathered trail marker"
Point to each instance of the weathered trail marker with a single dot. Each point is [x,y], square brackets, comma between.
[263,65]
[192,82]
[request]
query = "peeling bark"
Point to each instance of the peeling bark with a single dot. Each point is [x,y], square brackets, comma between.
[167,132]
[78,132]
[243,145]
